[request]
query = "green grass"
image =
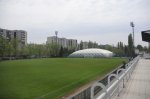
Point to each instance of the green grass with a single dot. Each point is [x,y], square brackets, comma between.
[50,78]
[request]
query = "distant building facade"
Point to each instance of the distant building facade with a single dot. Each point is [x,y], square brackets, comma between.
[65,43]
[20,35]
[85,45]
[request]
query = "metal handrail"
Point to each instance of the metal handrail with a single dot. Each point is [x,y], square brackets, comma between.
[109,90]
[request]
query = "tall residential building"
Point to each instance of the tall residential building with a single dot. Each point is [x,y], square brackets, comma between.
[72,43]
[65,43]
[20,35]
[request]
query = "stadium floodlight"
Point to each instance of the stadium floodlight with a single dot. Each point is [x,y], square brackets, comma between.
[132,25]
[56,33]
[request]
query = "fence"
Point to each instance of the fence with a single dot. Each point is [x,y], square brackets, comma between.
[110,85]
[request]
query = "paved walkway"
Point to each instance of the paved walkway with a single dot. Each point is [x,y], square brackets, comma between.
[138,87]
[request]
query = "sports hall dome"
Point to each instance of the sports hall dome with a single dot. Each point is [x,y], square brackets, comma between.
[92,52]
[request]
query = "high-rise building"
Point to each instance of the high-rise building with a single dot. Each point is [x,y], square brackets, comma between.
[19,35]
[72,43]
[65,43]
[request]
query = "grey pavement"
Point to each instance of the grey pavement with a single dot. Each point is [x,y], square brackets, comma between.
[138,87]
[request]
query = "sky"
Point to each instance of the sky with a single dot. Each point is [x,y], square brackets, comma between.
[103,21]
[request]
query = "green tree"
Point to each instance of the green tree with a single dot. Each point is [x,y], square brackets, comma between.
[44,50]
[2,46]
[53,49]
[90,44]
[81,45]
[24,52]
[39,48]
[120,49]
[118,52]
[15,46]
[95,45]
[61,52]
[120,45]
[140,47]
[130,45]
[31,50]
[9,49]
[126,51]
[108,47]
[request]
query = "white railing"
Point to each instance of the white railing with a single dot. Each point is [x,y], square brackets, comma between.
[114,86]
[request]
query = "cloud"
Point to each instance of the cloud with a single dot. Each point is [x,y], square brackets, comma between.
[76,18]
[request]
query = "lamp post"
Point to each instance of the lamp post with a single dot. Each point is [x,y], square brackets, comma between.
[132,25]
[56,33]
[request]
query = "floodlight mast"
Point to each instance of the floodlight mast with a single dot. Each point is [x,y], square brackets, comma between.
[56,33]
[132,25]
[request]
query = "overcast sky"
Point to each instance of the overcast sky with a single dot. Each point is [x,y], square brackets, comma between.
[103,21]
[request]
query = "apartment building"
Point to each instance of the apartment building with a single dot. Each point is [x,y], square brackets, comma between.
[20,35]
[65,43]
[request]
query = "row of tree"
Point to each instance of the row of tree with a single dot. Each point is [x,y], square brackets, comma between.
[123,50]
[120,49]
[12,48]
[8,47]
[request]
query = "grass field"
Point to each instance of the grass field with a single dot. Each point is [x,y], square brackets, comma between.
[50,78]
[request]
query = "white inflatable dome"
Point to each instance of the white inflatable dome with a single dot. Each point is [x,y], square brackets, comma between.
[92,52]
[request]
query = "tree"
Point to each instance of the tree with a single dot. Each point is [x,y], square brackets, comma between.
[90,44]
[118,52]
[81,45]
[108,47]
[139,47]
[65,52]
[2,46]
[130,45]
[30,48]
[120,45]
[9,49]
[53,49]
[14,44]
[6,48]
[61,52]
[95,45]
[120,49]
[24,52]
[44,50]
[126,51]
